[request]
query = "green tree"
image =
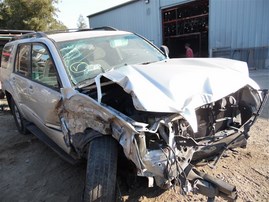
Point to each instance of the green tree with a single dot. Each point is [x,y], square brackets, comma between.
[39,15]
[81,24]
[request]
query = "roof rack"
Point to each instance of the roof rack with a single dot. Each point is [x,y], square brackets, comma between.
[45,34]
[32,35]
[14,31]
[11,35]
[108,28]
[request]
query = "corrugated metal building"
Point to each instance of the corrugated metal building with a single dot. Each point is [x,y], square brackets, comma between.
[236,29]
[135,16]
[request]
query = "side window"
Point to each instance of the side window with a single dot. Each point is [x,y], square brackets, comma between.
[23,60]
[43,68]
[6,56]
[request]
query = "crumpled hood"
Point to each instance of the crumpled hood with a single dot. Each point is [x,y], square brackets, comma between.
[181,85]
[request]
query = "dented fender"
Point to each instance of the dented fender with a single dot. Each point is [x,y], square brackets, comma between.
[81,114]
[83,119]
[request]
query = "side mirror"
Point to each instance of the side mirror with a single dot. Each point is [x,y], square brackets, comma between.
[165,50]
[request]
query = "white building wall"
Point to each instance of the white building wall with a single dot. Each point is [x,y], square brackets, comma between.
[138,17]
[239,29]
[238,23]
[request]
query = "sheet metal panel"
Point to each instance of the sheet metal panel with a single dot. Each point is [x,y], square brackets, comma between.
[138,17]
[170,3]
[238,24]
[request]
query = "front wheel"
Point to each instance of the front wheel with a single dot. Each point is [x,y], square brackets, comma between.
[101,173]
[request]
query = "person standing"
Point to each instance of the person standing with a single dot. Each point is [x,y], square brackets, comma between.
[189,52]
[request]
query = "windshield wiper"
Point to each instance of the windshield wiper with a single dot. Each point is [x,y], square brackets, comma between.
[146,63]
[85,83]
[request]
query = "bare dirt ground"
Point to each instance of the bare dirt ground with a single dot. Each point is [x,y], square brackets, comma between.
[30,171]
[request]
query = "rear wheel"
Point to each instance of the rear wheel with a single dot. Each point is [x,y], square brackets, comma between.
[19,120]
[101,173]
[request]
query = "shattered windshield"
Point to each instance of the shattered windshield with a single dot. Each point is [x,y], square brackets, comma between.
[84,59]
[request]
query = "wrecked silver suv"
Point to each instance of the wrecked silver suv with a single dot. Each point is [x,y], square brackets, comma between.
[94,94]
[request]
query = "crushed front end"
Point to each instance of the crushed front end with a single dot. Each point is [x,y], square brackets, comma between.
[167,125]
[166,148]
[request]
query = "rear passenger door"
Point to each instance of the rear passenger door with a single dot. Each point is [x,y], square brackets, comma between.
[21,76]
[41,87]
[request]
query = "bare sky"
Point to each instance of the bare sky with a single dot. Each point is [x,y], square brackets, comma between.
[70,10]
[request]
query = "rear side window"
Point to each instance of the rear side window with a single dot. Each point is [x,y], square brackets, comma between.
[22,65]
[6,56]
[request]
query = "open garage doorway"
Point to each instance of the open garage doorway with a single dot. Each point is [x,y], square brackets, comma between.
[186,23]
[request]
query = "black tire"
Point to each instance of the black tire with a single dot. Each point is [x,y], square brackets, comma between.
[19,120]
[101,176]
[2,94]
